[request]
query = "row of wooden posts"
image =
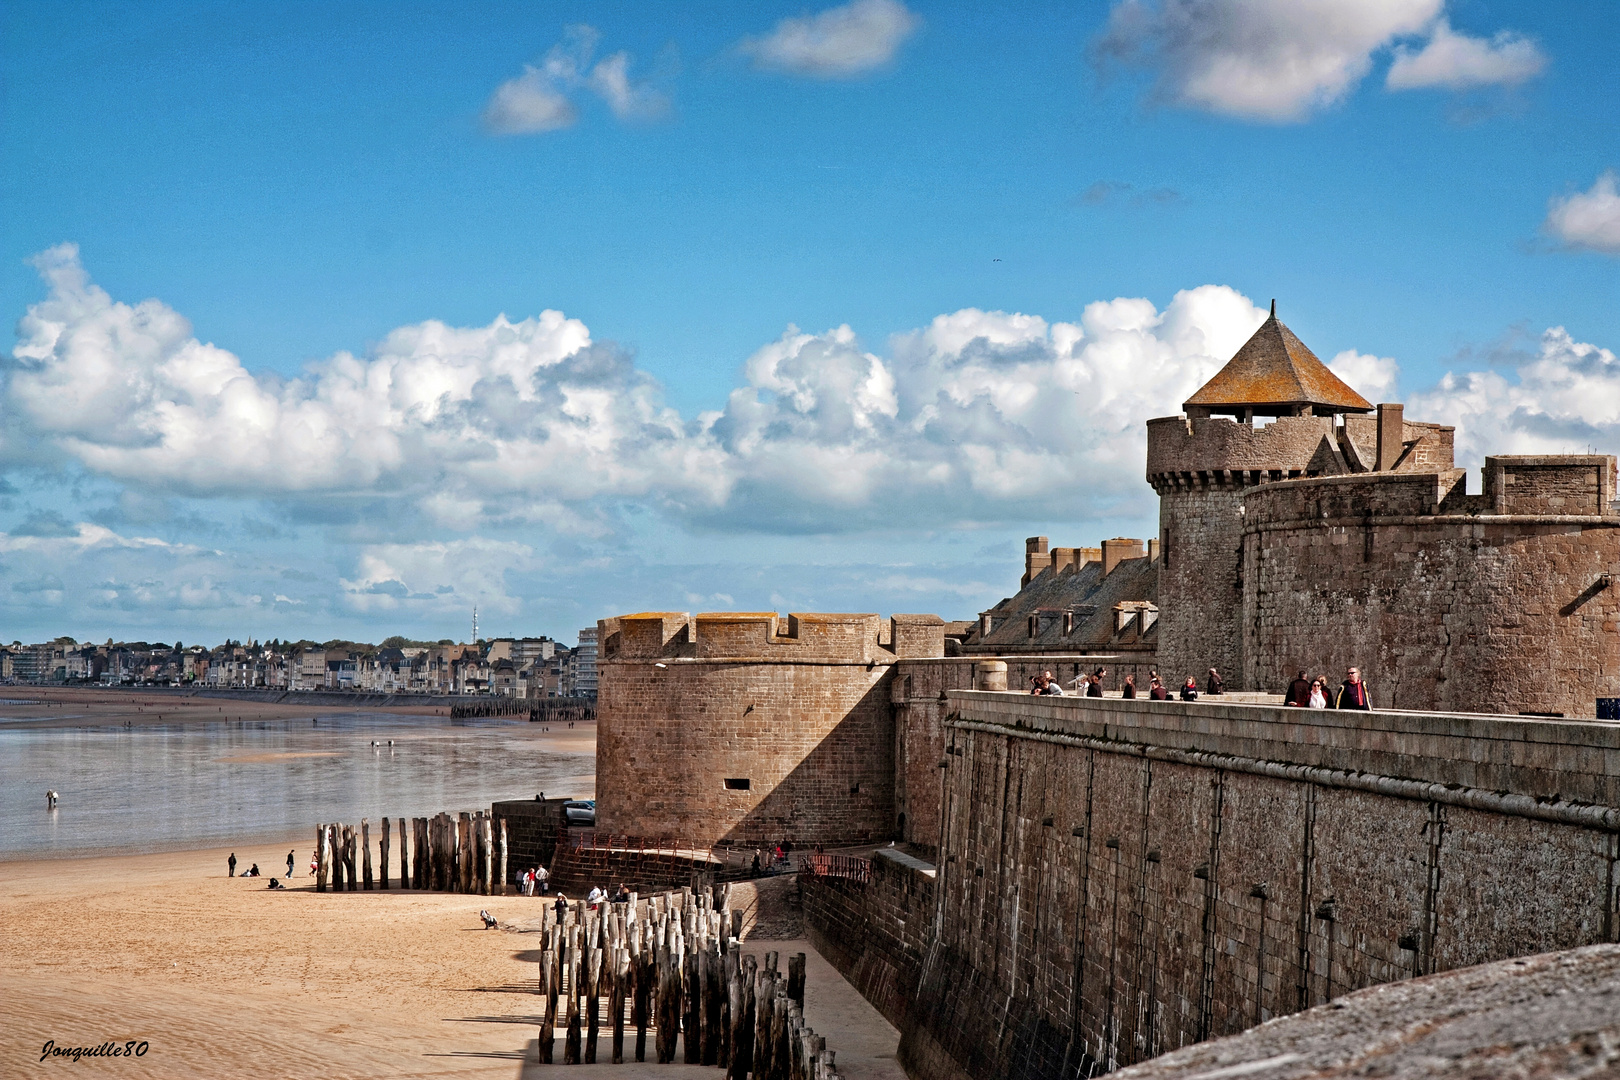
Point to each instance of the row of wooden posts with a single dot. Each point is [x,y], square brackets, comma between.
[464,854]
[676,962]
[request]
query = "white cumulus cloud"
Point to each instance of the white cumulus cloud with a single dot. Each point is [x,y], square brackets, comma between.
[1562,399]
[1373,377]
[539,100]
[529,104]
[455,416]
[1588,220]
[836,43]
[1459,62]
[1276,60]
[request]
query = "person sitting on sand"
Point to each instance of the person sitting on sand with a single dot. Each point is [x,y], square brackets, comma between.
[253,871]
[274,884]
[489,920]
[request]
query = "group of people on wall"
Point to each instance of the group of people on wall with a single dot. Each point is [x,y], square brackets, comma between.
[1303,692]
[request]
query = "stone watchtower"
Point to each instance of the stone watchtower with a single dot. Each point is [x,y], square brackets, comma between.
[1203,463]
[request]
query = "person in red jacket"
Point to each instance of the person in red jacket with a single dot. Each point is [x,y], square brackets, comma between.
[1353,694]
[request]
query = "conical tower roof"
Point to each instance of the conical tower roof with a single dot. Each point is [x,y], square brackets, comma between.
[1275,374]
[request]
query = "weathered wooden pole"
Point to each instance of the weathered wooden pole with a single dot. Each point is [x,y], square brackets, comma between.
[795,980]
[571,1048]
[370,880]
[548,1010]
[642,997]
[501,869]
[742,1021]
[320,858]
[779,1034]
[382,856]
[764,995]
[465,849]
[351,862]
[593,1001]
[714,996]
[691,1008]
[491,877]
[621,972]
[729,1004]
[338,867]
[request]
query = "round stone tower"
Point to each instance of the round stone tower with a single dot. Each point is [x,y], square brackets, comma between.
[1270,414]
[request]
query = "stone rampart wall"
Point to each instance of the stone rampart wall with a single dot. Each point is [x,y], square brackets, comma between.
[1475,612]
[1123,878]
[874,932]
[918,693]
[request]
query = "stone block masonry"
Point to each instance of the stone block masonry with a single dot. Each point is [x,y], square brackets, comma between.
[1444,602]
[874,931]
[1119,879]
[741,728]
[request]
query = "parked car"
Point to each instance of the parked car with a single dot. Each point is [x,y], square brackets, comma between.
[580,811]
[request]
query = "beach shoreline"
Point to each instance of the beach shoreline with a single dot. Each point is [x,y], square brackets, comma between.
[224,977]
[88,706]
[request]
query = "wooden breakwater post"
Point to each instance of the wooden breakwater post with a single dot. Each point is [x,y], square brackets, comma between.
[320,858]
[368,879]
[382,857]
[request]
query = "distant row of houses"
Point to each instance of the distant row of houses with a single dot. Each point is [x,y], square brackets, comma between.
[510,667]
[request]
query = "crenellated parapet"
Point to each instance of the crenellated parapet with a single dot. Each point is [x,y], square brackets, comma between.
[765,636]
[1186,453]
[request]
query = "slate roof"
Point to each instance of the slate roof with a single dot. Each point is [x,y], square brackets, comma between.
[1275,368]
[1086,593]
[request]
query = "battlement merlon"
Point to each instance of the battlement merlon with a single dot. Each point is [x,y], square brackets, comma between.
[1567,487]
[1197,451]
[1179,445]
[815,637]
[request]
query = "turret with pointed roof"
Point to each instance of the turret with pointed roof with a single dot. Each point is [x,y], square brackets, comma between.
[1274,374]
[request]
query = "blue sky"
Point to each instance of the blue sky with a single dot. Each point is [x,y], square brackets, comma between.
[1040,226]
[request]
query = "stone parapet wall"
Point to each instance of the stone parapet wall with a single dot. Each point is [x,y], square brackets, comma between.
[1123,878]
[1179,445]
[1472,611]
[874,932]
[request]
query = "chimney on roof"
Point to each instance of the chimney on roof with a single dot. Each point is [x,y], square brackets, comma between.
[1118,550]
[1036,559]
[1391,436]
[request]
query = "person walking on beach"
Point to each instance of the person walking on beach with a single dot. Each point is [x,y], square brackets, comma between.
[290,861]
[543,876]
[230,863]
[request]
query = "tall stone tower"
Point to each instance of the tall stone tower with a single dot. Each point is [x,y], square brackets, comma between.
[1203,462]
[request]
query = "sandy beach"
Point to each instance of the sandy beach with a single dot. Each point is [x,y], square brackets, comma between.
[222,977]
[71,706]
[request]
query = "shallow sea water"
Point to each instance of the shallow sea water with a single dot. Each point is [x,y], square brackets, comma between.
[175,787]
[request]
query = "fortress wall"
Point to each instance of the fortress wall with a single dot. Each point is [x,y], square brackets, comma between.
[1484,613]
[798,710]
[1123,878]
[918,693]
[874,932]
[1177,444]
[1200,591]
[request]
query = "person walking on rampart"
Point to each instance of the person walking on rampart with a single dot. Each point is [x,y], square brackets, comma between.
[1189,692]
[1156,689]
[1353,694]
[1094,689]
[1127,689]
[1317,697]
[1045,684]
[1299,691]
[1214,684]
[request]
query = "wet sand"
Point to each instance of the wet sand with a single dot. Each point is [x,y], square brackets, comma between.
[224,978]
[59,706]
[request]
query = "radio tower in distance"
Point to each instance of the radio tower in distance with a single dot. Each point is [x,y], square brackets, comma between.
[475,624]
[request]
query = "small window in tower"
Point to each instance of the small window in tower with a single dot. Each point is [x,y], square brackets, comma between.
[738,783]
